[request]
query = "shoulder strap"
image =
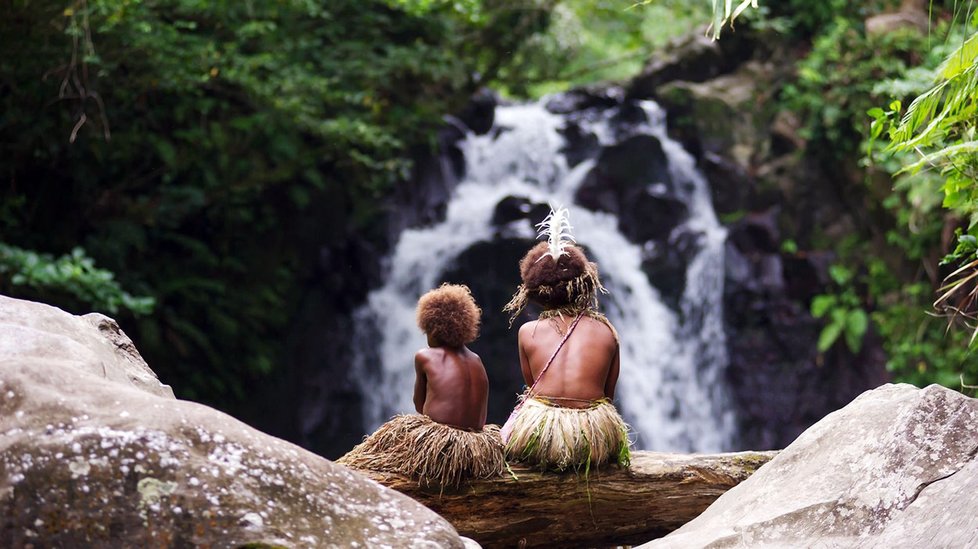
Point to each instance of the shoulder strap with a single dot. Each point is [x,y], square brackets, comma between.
[557,350]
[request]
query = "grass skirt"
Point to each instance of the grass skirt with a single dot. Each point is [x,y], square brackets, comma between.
[560,438]
[435,454]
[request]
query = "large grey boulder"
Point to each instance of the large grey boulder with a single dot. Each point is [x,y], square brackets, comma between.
[895,468]
[95,452]
[92,343]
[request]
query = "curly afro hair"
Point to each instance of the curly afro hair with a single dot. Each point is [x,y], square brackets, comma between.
[449,315]
[570,282]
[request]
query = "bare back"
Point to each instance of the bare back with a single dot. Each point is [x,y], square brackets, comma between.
[585,369]
[451,387]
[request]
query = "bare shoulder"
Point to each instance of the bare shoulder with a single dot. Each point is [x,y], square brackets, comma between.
[474,360]
[527,329]
[426,355]
[603,329]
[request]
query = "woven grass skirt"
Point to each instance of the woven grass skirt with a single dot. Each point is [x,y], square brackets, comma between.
[559,438]
[433,453]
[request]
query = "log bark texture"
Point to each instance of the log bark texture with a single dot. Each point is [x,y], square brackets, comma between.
[658,494]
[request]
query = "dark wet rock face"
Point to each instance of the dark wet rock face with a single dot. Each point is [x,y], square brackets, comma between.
[665,264]
[517,208]
[693,58]
[96,452]
[631,180]
[580,144]
[479,114]
[582,99]
[781,384]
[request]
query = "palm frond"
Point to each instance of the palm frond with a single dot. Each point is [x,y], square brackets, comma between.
[934,158]
[953,95]
[961,59]
[724,13]
[959,297]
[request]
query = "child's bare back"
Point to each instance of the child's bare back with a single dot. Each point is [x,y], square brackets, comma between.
[447,441]
[451,386]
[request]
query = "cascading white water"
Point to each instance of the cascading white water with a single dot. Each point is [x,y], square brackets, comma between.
[670,387]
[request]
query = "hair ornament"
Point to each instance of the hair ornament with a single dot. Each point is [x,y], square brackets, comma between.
[557,228]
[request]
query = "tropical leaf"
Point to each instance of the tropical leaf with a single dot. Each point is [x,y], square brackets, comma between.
[962,58]
[828,337]
[724,13]
[935,158]
[857,322]
[821,305]
[953,94]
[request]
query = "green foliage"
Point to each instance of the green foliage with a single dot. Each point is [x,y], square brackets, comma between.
[843,311]
[958,298]
[804,18]
[74,274]
[205,152]
[931,149]
[940,125]
[725,12]
[966,249]
[920,349]
[472,10]
[812,19]
[836,83]
[595,40]
[889,275]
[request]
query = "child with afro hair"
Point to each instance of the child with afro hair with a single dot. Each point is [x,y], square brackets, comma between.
[448,440]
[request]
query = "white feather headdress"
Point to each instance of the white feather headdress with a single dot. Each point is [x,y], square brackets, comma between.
[557,228]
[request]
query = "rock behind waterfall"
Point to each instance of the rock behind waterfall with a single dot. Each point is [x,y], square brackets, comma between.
[94,451]
[895,468]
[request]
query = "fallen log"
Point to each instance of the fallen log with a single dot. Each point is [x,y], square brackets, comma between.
[658,494]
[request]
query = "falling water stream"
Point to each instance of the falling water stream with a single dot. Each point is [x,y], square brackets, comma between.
[671,389]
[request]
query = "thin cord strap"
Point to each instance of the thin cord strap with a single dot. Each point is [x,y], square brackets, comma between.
[553,356]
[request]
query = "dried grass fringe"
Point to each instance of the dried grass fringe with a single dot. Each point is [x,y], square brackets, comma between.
[559,438]
[433,453]
[584,289]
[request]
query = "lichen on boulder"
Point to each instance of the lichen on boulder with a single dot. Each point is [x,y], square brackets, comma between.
[94,451]
[895,468]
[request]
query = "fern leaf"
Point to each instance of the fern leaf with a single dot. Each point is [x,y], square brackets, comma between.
[969,147]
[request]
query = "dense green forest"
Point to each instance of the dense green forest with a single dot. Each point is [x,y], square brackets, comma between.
[179,164]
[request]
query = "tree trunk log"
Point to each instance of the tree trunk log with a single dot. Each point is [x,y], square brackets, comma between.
[659,493]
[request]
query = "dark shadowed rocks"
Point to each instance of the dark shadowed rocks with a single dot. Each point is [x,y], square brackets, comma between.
[631,180]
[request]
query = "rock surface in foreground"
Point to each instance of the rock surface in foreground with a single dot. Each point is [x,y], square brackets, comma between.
[895,468]
[94,451]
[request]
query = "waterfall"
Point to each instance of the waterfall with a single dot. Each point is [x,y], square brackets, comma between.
[671,389]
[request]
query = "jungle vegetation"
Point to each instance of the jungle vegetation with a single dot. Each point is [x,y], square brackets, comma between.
[179,163]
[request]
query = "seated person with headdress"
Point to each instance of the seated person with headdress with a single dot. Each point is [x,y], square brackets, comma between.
[570,360]
[448,440]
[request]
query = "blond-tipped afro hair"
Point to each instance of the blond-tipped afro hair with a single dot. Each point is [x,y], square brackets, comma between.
[449,315]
